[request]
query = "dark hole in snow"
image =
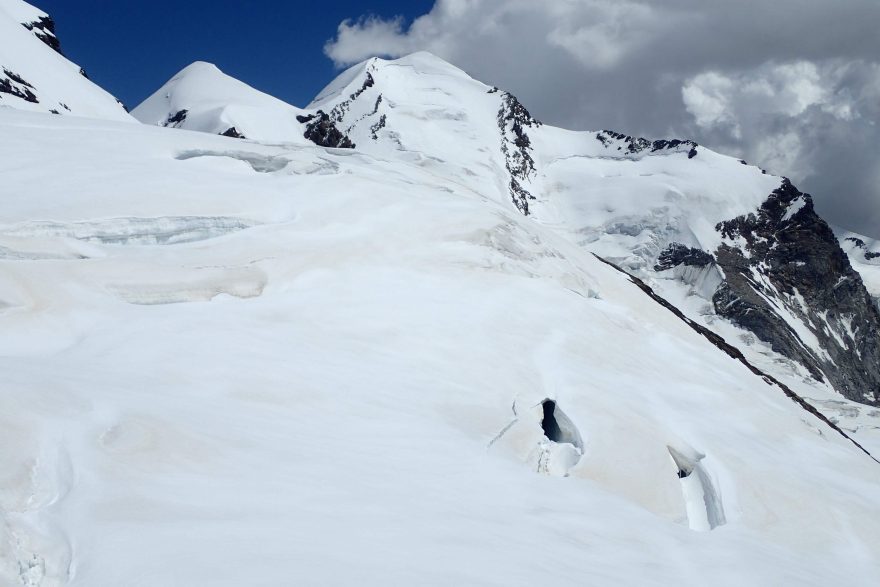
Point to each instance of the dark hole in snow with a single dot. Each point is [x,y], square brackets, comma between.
[557,427]
[682,473]
[549,423]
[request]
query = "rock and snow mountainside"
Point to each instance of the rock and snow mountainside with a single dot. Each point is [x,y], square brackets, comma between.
[35,76]
[261,361]
[748,243]
[766,261]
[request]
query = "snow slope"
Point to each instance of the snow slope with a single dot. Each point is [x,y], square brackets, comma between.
[35,77]
[202,98]
[230,363]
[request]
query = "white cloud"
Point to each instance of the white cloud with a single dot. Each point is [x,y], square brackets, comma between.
[707,98]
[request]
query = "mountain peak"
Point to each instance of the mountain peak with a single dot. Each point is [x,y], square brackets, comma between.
[201,97]
[199,67]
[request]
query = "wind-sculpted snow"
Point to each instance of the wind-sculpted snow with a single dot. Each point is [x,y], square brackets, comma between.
[705,510]
[201,285]
[258,162]
[194,386]
[168,230]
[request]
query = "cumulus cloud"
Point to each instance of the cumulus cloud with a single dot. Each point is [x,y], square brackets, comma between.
[791,85]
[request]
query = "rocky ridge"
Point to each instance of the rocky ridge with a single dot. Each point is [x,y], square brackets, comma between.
[787,281]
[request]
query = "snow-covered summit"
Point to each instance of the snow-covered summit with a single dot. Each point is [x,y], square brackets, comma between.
[203,98]
[35,76]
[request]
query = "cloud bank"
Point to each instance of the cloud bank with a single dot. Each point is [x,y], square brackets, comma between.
[790,85]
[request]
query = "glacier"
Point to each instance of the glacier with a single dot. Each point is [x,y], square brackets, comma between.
[261,361]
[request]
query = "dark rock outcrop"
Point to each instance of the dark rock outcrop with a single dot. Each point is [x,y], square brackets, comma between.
[44,29]
[513,118]
[678,254]
[338,112]
[788,281]
[321,130]
[861,244]
[174,120]
[233,133]
[377,126]
[13,84]
[632,145]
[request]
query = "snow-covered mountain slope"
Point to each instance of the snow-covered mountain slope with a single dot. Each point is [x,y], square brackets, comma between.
[750,244]
[203,98]
[213,376]
[35,76]
[34,20]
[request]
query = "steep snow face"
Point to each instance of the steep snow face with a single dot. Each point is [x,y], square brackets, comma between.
[257,362]
[35,76]
[203,98]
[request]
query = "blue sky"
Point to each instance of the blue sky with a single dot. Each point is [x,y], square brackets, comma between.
[131,48]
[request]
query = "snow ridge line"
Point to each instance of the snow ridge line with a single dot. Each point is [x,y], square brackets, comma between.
[735,353]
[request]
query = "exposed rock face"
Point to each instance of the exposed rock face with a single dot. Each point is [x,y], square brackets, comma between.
[513,118]
[337,114]
[322,131]
[13,84]
[634,145]
[861,244]
[233,132]
[174,120]
[677,254]
[44,29]
[376,127]
[788,281]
